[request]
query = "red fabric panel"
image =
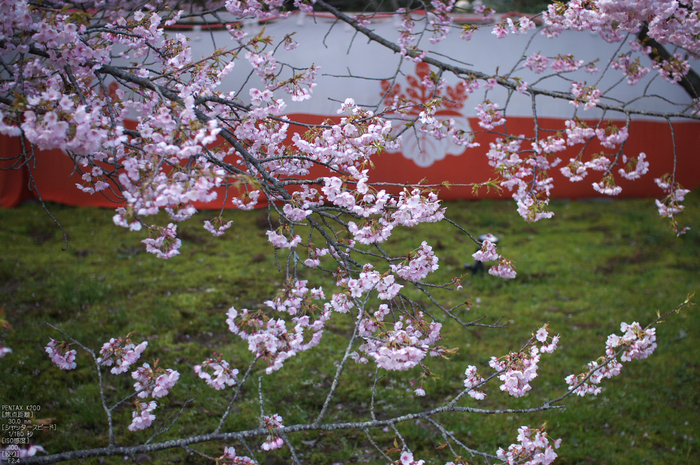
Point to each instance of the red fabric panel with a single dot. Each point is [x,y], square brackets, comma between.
[13,179]
[651,137]
[55,183]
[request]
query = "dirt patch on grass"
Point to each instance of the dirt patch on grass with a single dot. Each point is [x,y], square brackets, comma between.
[612,265]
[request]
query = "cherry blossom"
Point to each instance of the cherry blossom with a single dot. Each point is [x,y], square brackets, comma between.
[273,441]
[588,95]
[271,338]
[406,458]
[473,379]
[537,63]
[418,265]
[487,252]
[230,458]
[632,68]
[165,244]
[672,69]
[671,205]
[503,269]
[531,450]
[217,226]
[607,186]
[402,347]
[517,369]
[154,381]
[490,115]
[635,168]
[566,63]
[121,353]
[60,354]
[635,343]
[142,416]
[222,374]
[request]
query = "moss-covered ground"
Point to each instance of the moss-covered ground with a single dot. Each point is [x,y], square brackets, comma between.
[593,266]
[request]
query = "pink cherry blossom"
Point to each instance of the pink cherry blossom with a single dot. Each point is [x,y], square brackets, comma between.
[121,353]
[221,375]
[635,167]
[165,244]
[635,343]
[230,457]
[60,354]
[273,441]
[142,416]
[490,115]
[534,447]
[406,458]
[473,379]
[418,265]
[217,226]
[487,252]
[537,63]
[154,381]
[503,269]
[542,334]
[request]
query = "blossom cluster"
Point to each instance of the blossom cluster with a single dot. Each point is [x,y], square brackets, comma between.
[490,115]
[165,244]
[537,63]
[221,375]
[153,381]
[440,20]
[440,128]
[406,458]
[122,353]
[61,355]
[271,338]
[531,450]
[407,37]
[471,380]
[273,441]
[216,226]
[671,204]
[418,264]
[402,347]
[526,177]
[517,369]
[504,267]
[672,69]
[230,457]
[587,95]
[504,28]
[610,136]
[633,69]
[370,280]
[635,343]
[142,416]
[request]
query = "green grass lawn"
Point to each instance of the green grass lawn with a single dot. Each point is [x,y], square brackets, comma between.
[593,266]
